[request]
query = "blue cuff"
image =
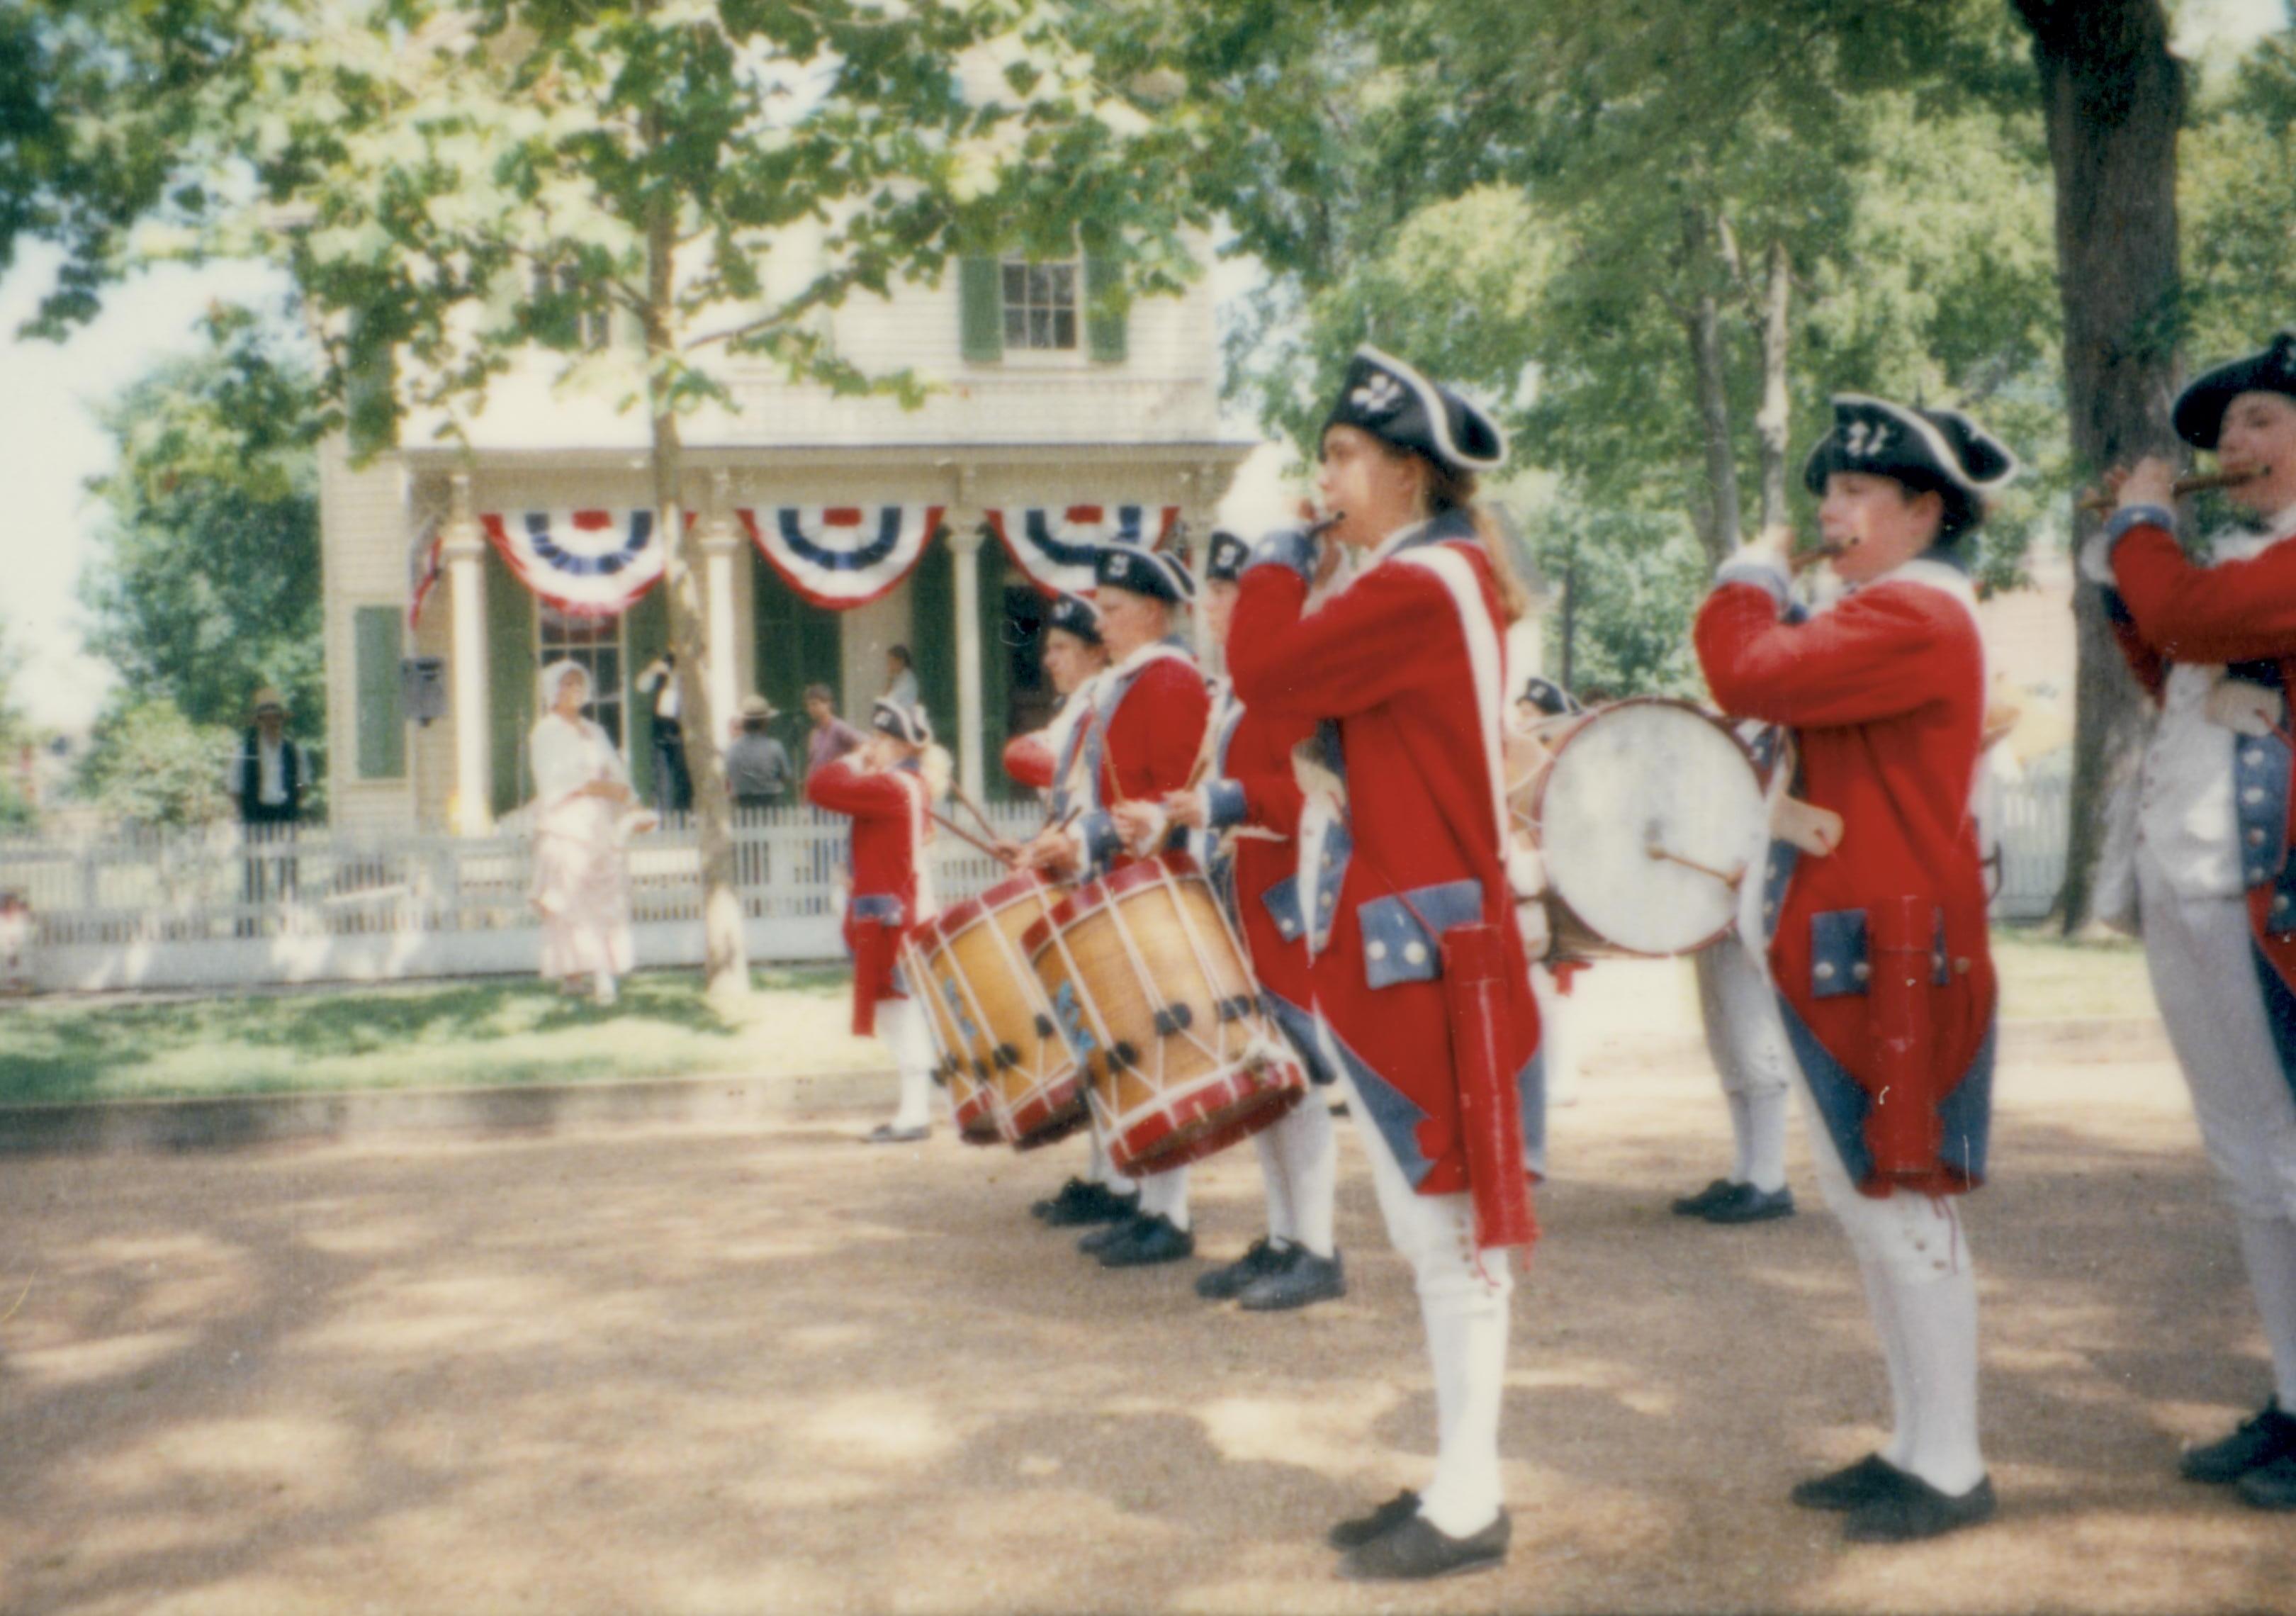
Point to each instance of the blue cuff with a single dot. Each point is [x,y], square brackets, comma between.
[2117,526]
[1103,842]
[1224,801]
[1763,574]
[882,908]
[1286,547]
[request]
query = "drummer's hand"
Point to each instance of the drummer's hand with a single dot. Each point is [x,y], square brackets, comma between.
[1009,853]
[1189,809]
[1054,850]
[2150,481]
[1140,824]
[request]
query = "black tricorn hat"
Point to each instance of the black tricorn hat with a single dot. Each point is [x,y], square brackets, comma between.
[1395,404]
[1922,448]
[901,721]
[2200,412]
[1144,572]
[1073,614]
[1224,557]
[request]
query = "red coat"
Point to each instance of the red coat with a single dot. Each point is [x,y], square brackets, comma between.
[1885,694]
[1403,678]
[1254,787]
[2170,610]
[1140,741]
[889,809]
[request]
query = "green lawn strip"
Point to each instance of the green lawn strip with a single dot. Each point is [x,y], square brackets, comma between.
[476,1034]
[2048,978]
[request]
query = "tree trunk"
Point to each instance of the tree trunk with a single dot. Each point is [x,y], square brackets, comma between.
[726,961]
[1775,418]
[1702,319]
[2112,96]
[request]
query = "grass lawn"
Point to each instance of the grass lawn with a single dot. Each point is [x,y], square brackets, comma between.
[421,1036]
[2046,978]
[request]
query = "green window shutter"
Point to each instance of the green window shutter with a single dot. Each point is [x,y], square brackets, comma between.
[981,298]
[932,637]
[381,719]
[1104,319]
[512,672]
[645,635]
[798,643]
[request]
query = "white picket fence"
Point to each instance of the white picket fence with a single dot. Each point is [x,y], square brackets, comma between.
[231,907]
[238,907]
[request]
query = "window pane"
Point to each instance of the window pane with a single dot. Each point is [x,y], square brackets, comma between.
[1016,282]
[1060,280]
[1063,328]
[1040,328]
[1016,327]
[1040,283]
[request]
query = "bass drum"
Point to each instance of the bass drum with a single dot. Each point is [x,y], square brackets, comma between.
[1647,814]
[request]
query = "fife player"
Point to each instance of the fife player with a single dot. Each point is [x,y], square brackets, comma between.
[1877,929]
[2215,644]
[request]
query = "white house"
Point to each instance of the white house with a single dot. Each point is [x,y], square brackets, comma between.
[1049,424]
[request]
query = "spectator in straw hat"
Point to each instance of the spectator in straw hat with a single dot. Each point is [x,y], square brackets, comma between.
[756,765]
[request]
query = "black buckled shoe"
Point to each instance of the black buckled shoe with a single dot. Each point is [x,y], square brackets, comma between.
[1229,1281]
[1748,1205]
[1306,1280]
[1357,1530]
[1917,1509]
[1419,1551]
[1694,1206]
[1115,1234]
[1155,1239]
[2271,1486]
[1081,1201]
[1852,1487]
[2270,1435]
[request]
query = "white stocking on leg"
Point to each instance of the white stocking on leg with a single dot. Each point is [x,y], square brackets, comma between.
[2269,1247]
[1280,1228]
[903,1031]
[1166,1195]
[1099,1169]
[1881,1302]
[1762,1138]
[1466,1320]
[1741,1139]
[1940,1321]
[1310,1150]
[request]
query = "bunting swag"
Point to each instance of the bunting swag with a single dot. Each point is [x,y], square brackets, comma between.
[424,566]
[1055,547]
[842,556]
[586,563]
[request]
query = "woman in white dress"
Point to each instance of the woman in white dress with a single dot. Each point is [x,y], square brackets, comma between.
[581,878]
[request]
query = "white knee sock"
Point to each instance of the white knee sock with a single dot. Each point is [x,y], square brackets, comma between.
[1881,1302]
[1761,1140]
[1166,1195]
[1311,1148]
[1280,1229]
[1938,1317]
[1467,1338]
[1742,1134]
[903,1032]
[1099,1170]
[2269,1248]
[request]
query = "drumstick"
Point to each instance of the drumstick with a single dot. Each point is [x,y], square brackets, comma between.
[1727,878]
[964,800]
[964,836]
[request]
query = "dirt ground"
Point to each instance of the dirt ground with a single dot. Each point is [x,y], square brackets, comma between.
[768,1370]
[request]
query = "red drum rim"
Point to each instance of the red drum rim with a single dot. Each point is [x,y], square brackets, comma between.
[945,926]
[1245,1101]
[1096,894]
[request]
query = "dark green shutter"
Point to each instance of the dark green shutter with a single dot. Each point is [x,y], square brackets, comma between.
[382,719]
[999,653]
[1104,317]
[798,643]
[512,673]
[980,296]
[645,635]
[932,637]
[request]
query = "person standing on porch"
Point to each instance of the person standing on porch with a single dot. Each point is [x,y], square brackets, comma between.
[673,784]
[581,877]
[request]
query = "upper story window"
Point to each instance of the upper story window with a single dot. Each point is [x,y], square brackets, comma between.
[591,327]
[1041,306]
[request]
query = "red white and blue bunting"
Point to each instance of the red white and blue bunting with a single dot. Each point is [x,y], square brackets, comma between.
[586,563]
[1055,547]
[842,556]
[424,566]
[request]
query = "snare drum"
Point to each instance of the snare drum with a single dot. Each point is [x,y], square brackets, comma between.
[1150,986]
[992,1011]
[1647,814]
[973,1101]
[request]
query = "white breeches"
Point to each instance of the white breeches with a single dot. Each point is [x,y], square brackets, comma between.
[1740,1010]
[1463,1297]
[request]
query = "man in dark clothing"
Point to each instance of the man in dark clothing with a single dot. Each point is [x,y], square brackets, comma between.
[756,765]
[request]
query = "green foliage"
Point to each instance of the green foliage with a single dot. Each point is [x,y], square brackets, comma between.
[152,766]
[16,734]
[1637,579]
[2236,192]
[206,585]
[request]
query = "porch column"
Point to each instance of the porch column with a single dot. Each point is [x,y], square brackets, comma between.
[720,543]
[462,548]
[965,547]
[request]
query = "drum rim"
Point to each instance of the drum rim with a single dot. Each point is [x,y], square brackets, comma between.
[1714,720]
[1095,894]
[943,926]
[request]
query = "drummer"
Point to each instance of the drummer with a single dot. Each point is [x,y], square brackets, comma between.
[1140,740]
[1877,922]
[1407,900]
[883,788]
[1046,760]
[1250,805]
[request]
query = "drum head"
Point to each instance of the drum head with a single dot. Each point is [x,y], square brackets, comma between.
[1644,775]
